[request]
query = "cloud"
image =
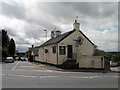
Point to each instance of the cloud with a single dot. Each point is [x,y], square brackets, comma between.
[22,47]
[106,40]
[13,10]
[25,22]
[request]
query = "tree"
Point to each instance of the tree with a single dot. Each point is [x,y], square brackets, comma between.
[5,38]
[0,43]
[98,52]
[11,47]
[4,52]
[5,42]
[0,50]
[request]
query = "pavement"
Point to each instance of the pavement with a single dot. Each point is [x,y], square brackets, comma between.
[54,68]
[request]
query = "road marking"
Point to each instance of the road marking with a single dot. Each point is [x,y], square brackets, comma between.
[15,66]
[27,66]
[22,75]
[111,76]
[31,70]
[56,76]
[95,76]
[50,76]
[90,77]
[77,77]
[2,74]
[39,66]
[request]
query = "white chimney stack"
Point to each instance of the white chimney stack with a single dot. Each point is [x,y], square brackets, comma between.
[57,33]
[76,25]
[52,34]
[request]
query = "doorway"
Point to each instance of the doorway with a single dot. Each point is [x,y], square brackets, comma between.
[70,51]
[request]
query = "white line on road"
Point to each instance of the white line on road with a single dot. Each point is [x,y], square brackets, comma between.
[27,66]
[22,75]
[39,66]
[31,70]
[90,77]
[57,76]
[15,66]
[2,74]
[111,76]
[95,76]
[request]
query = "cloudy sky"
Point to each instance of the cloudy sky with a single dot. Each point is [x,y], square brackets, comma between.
[26,20]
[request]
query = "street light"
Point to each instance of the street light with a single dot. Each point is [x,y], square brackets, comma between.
[46,40]
[46,34]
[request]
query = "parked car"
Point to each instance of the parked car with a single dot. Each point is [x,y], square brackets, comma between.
[23,59]
[19,59]
[16,58]
[26,59]
[9,60]
[113,64]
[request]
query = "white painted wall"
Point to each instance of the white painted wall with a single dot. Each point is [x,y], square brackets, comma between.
[49,57]
[91,62]
[36,57]
[85,49]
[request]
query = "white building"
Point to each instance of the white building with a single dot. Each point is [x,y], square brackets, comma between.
[67,49]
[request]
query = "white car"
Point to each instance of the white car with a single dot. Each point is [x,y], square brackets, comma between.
[113,64]
[9,60]
[23,59]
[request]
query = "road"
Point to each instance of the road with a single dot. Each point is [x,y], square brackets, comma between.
[27,75]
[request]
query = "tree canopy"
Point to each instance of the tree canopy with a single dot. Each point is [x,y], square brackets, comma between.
[5,38]
[8,45]
[11,47]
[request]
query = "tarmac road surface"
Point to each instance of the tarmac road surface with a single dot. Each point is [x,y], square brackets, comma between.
[26,75]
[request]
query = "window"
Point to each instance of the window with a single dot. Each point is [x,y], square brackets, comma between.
[54,49]
[46,51]
[62,50]
[80,40]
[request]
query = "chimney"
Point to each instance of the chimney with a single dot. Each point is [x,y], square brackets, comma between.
[32,46]
[57,33]
[52,34]
[76,25]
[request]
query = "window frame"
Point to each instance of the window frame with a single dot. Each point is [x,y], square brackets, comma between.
[62,51]
[54,49]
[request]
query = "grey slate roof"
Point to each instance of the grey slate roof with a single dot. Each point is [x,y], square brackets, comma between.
[61,37]
[57,39]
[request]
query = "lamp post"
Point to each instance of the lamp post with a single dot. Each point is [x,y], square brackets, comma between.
[46,40]
[46,34]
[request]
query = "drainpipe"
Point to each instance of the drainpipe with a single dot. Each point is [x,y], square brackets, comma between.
[57,55]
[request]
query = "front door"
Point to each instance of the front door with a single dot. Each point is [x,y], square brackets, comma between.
[70,51]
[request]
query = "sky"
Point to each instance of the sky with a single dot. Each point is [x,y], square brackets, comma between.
[26,20]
